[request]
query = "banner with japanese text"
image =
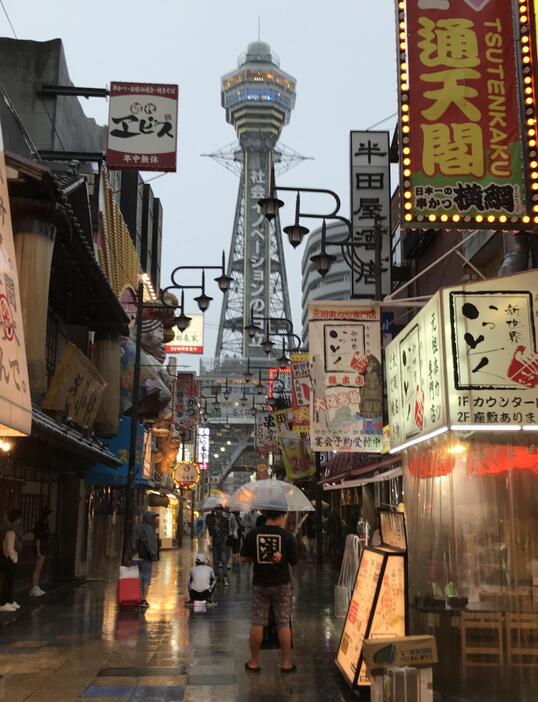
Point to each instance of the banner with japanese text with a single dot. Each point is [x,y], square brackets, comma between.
[187,402]
[15,401]
[346,408]
[298,459]
[142,127]
[76,388]
[266,440]
[300,391]
[189,341]
[464,149]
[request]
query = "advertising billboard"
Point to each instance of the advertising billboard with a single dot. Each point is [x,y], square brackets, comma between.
[142,127]
[467,114]
[189,341]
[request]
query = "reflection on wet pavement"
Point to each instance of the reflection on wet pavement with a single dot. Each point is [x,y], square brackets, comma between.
[82,648]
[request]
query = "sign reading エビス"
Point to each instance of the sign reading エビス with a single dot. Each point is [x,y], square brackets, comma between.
[142,127]
[466,152]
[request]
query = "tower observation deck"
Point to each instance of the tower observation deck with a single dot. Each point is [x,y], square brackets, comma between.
[258,98]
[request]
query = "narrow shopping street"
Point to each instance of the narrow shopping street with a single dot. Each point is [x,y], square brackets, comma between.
[81,647]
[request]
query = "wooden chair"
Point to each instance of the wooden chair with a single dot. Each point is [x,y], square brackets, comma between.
[522,639]
[482,640]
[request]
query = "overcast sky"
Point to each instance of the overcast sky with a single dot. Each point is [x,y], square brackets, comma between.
[342,54]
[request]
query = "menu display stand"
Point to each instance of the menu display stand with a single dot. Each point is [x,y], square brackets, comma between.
[378,605]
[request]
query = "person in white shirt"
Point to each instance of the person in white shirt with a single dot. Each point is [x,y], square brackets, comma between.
[201,581]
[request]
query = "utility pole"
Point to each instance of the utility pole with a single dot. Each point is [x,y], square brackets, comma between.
[128,523]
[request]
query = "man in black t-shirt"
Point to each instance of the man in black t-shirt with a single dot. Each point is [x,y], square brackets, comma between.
[271,550]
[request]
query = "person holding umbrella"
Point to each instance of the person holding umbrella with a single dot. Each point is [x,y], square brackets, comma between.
[271,550]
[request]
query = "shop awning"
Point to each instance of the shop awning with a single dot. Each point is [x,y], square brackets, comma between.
[359,482]
[70,439]
[343,467]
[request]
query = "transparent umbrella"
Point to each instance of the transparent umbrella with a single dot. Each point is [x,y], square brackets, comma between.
[270,495]
[214,501]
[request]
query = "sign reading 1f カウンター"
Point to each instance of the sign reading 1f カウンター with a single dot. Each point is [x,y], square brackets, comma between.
[465,149]
[142,127]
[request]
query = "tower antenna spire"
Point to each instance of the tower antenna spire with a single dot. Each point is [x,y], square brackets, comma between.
[259,28]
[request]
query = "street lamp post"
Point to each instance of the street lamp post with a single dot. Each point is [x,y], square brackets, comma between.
[182,321]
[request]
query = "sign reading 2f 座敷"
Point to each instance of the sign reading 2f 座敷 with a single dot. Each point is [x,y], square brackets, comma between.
[467,130]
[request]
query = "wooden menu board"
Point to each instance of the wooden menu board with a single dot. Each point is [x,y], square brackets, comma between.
[392,528]
[376,609]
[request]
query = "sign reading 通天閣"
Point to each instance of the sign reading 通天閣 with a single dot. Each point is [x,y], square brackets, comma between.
[346,408]
[464,149]
[142,127]
[189,341]
[370,204]
[15,402]
[485,371]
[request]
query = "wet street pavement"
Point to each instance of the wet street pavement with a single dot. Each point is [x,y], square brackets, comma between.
[81,647]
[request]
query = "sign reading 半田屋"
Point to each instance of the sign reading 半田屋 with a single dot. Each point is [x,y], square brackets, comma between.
[466,153]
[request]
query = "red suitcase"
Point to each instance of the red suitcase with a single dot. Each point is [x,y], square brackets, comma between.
[129,592]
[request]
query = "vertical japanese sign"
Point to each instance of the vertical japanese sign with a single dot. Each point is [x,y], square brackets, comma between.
[265,437]
[295,448]
[346,409]
[300,391]
[415,377]
[142,127]
[465,150]
[189,341]
[15,402]
[187,402]
[257,258]
[492,355]
[203,447]
[370,203]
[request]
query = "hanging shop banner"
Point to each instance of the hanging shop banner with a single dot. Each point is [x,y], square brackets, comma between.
[142,127]
[266,439]
[15,402]
[370,204]
[492,355]
[465,152]
[415,377]
[186,475]
[298,459]
[189,341]
[300,391]
[203,447]
[187,402]
[279,382]
[346,410]
[76,388]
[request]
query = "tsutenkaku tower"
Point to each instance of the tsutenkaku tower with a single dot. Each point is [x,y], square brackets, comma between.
[258,98]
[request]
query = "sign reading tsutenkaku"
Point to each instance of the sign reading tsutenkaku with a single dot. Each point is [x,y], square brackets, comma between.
[370,204]
[347,389]
[189,341]
[464,148]
[468,360]
[142,127]
[15,402]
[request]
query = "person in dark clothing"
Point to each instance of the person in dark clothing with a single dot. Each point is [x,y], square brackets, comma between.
[271,550]
[146,544]
[11,543]
[41,547]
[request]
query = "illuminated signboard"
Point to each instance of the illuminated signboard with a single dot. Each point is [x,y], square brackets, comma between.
[468,157]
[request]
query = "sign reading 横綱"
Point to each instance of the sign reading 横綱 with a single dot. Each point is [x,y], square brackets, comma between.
[189,341]
[469,359]
[15,402]
[415,377]
[370,203]
[464,149]
[142,126]
[346,408]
